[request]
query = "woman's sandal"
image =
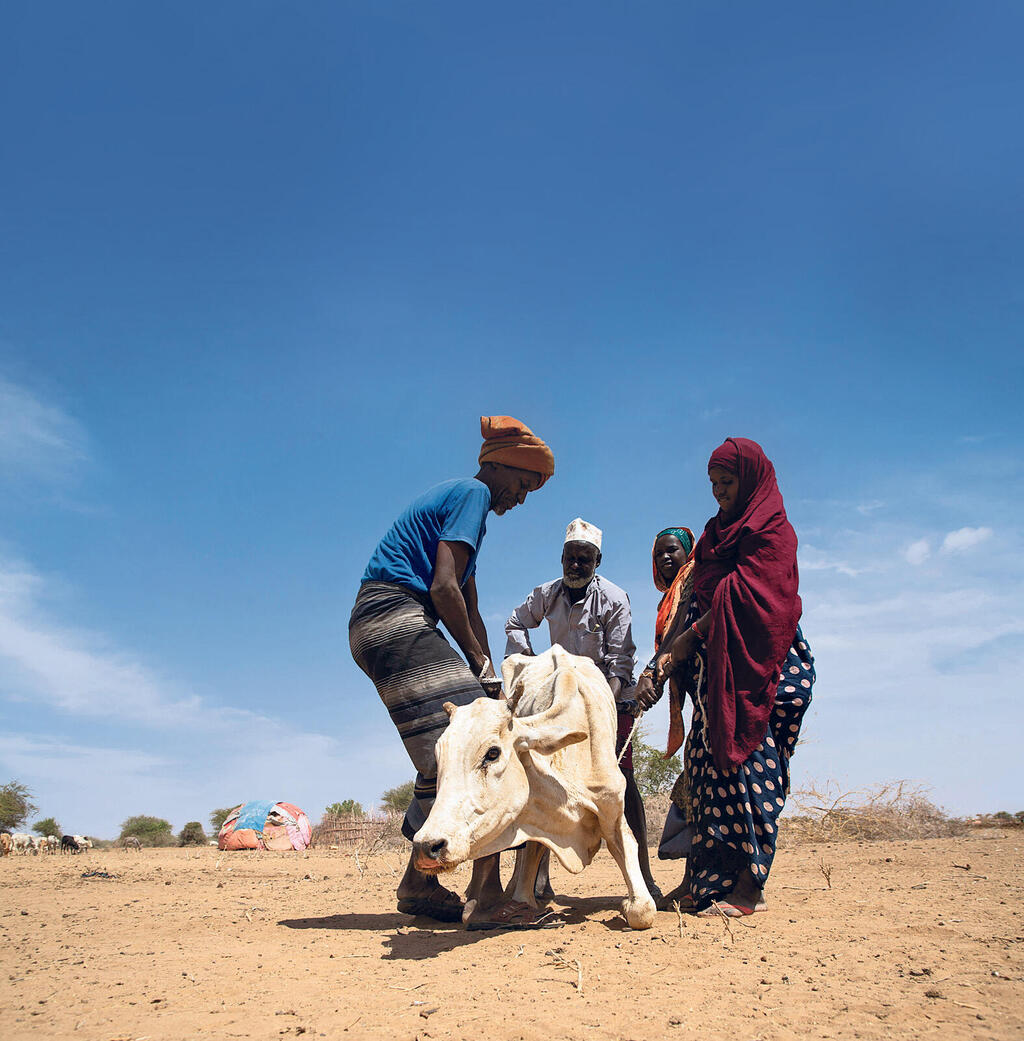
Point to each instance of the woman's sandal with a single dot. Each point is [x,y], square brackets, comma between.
[728,908]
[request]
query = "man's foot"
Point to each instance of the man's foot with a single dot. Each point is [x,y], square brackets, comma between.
[442,905]
[420,894]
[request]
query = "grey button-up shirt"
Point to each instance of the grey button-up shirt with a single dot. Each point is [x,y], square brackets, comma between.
[598,627]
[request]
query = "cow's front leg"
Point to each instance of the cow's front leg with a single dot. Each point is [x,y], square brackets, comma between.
[524,878]
[484,889]
[638,907]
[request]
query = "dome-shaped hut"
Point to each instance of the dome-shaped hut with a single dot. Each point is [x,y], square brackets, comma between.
[265,825]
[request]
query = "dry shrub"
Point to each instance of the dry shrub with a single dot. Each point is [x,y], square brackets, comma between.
[898,810]
[656,809]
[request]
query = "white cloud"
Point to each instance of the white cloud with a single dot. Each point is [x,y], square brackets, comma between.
[901,655]
[37,439]
[965,538]
[918,552]
[67,763]
[813,559]
[72,669]
[867,508]
[80,674]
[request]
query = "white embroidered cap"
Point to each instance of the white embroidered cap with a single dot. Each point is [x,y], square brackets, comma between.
[580,531]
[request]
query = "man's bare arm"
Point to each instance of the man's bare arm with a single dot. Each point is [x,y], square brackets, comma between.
[476,623]
[451,605]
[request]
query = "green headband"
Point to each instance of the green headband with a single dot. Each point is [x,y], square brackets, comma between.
[685,538]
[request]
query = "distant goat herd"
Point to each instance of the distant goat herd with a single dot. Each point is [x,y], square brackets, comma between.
[25,844]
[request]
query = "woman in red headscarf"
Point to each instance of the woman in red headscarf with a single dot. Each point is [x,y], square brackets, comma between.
[750,670]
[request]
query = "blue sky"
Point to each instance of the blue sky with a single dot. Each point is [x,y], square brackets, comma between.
[264,266]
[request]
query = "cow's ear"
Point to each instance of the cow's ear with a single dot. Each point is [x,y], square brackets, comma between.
[512,668]
[564,723]
[449,708]
[545,740]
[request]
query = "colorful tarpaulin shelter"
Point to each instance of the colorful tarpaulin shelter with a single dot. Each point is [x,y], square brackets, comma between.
[265,825]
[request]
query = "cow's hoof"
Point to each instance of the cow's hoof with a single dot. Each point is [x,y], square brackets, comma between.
[641,913]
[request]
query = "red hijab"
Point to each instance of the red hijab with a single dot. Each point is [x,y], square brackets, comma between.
[746,575]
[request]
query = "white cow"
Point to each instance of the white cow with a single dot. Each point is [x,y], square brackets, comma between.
[538,765]
[22,843]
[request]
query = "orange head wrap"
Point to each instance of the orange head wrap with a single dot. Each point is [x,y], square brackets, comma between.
[511,443]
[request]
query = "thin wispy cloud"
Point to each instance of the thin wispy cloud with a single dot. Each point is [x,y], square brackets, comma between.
[68,762]
[81,674]
[38,439]
[813,559]
[73,669]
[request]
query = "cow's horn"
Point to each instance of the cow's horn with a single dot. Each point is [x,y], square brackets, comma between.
[449,708]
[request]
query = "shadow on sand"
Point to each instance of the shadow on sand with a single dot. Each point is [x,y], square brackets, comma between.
[409,939]
[419,938]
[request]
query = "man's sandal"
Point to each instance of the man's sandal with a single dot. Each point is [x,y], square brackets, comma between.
[515,915]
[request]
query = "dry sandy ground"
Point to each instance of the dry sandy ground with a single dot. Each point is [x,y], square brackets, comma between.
[913,939]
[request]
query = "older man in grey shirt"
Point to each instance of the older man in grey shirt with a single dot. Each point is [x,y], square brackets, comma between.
[589,616]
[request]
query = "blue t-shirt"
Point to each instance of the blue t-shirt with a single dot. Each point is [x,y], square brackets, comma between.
[455,511]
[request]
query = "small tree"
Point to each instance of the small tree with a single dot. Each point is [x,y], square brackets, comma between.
[396,800]
[47,826]
[218,817]
[654,774]
[348,808]
[150,831]
[16,805]
[192,835]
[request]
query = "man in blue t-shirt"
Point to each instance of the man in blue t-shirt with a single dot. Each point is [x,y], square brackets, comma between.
[424,571]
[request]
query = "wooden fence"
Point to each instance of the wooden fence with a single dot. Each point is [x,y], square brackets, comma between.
[351,831]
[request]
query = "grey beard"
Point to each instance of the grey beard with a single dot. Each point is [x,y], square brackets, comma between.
[577,583]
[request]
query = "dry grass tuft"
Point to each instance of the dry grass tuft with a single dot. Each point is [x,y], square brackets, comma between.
[899,810]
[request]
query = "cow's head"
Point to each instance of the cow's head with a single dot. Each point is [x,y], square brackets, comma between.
[483,764]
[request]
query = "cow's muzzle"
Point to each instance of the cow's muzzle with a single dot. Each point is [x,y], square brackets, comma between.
[430,856]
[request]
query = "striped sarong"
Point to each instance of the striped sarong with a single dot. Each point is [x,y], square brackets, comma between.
[395,640]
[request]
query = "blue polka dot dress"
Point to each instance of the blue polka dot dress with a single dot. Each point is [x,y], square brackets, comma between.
[735,813]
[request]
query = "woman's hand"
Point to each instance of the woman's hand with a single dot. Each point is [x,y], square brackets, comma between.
[684,646]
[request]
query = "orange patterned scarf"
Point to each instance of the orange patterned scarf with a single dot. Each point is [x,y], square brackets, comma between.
[671,602]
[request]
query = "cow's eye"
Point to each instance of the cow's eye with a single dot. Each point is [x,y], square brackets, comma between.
[492,753]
